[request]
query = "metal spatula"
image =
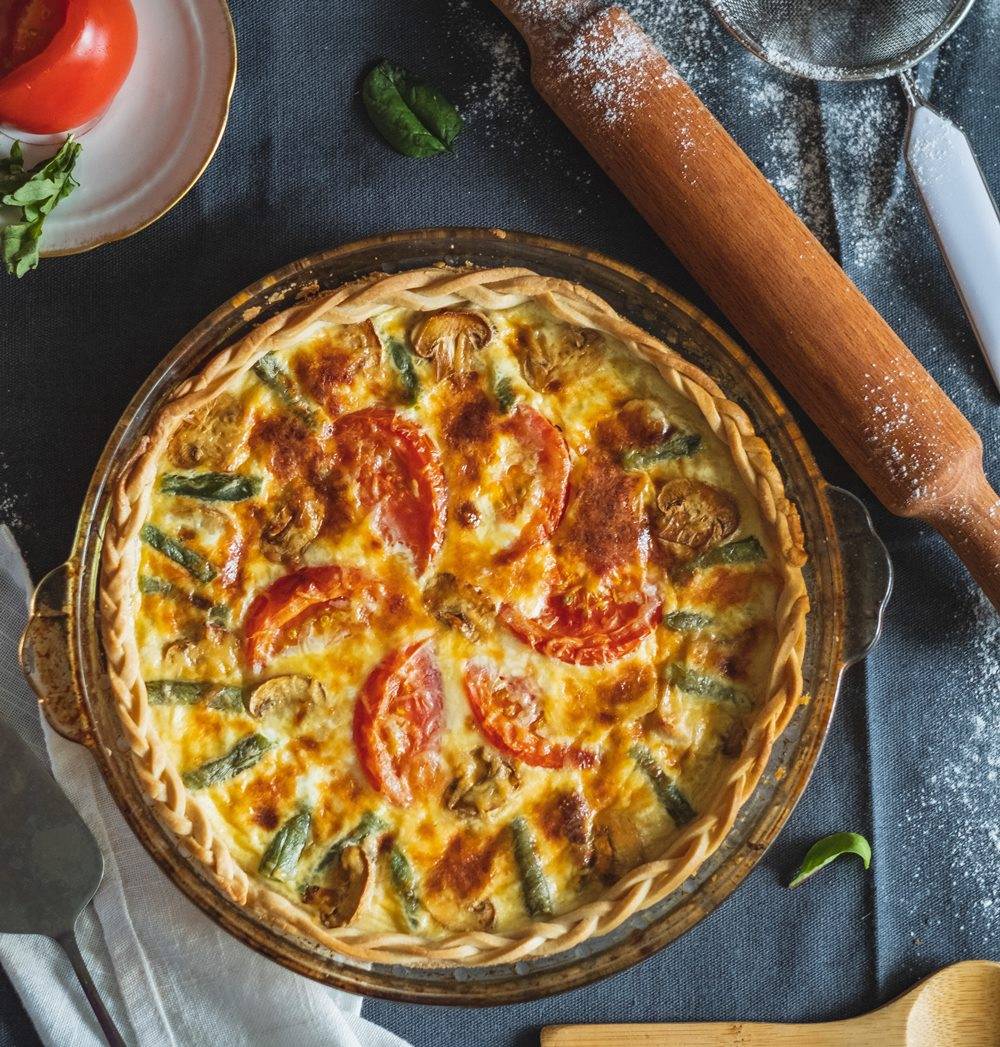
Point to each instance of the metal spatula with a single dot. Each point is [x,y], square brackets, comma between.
[50,865]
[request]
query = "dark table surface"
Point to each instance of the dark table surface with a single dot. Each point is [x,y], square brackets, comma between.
[913,758]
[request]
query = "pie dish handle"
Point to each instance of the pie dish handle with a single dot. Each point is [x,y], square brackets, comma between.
[867,573]
[45,656]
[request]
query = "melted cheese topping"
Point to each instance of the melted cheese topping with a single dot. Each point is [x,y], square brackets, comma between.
[683,692]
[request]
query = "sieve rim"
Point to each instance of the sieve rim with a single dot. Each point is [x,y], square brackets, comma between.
[837,74]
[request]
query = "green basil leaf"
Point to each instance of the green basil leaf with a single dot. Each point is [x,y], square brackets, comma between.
[413,117]
[829,848]
[35,193]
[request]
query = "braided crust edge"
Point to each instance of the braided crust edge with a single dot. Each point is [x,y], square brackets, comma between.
[426,290]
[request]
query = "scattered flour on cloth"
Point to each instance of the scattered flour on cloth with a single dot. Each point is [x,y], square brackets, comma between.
[959,800]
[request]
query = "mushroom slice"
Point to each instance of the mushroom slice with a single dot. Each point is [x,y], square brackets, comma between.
[294,523]
[547,362]
[693,516]
[618,847]
[302,691]
[644,421]
[211,656]
[348,883]
[458,605]
[214,437]
[458,915]
[449,338]
[485,784]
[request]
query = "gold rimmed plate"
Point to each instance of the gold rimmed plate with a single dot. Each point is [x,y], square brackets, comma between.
[159,133]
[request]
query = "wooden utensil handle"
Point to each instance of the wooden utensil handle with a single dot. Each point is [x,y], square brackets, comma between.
[773,279]
[719,1034]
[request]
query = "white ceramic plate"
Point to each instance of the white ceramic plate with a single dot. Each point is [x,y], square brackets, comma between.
[158,135]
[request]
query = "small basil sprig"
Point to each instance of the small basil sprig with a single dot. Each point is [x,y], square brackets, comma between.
[35,193]
[413,117]
[826,850]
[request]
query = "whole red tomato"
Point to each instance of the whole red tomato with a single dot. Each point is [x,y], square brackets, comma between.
[65,60]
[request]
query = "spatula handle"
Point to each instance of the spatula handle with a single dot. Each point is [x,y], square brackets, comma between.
[71,947]
[773,279]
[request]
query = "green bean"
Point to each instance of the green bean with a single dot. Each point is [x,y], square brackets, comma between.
[244,754]
[286,847]
[212,487]
[680,445]
[402,360]
[536,888]
[194,563]
[405,884]
[270,371]
[671,799]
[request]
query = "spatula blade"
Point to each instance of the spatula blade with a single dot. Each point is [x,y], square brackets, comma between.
[50,864]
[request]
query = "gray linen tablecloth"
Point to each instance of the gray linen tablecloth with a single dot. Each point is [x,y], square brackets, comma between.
[914,753]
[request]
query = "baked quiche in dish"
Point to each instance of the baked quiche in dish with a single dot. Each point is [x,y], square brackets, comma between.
[451,617]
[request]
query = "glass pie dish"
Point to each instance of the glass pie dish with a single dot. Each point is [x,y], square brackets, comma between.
[63,659]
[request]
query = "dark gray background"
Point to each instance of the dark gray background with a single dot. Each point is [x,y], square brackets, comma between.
[913,758]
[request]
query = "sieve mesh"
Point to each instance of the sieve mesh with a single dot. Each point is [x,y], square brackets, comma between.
[841,39]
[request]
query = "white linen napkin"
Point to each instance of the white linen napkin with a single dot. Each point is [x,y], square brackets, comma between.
[166,973]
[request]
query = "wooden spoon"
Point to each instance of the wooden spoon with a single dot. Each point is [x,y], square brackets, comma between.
[957,1007]
[774,280]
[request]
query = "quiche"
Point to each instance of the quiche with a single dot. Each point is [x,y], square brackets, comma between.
[451,617]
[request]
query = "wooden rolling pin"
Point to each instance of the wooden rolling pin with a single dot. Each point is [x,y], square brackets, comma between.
[774,280]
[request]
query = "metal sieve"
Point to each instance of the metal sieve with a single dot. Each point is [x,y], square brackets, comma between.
[843,40]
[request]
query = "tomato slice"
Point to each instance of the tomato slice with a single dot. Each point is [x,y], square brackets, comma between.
[551,470]
[507,712]
[591,631]
[399,475]
[293,598]
[397,722]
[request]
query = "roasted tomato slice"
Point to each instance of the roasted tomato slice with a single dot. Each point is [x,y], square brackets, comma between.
[397,721]
[589,632]
[508,714]
[549,478]
[297,596]
[399,476]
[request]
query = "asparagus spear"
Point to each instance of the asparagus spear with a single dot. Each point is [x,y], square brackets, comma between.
[195,692]
[370,823]
[218,613]
[405,884]
[503,390]
[686,621]
[286,846]
[536,888]
[213,487]
[243,755]
[704,686]
[743,550]
[194,563]
[403,362]
[671,799]
[270,371]
[680,445]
